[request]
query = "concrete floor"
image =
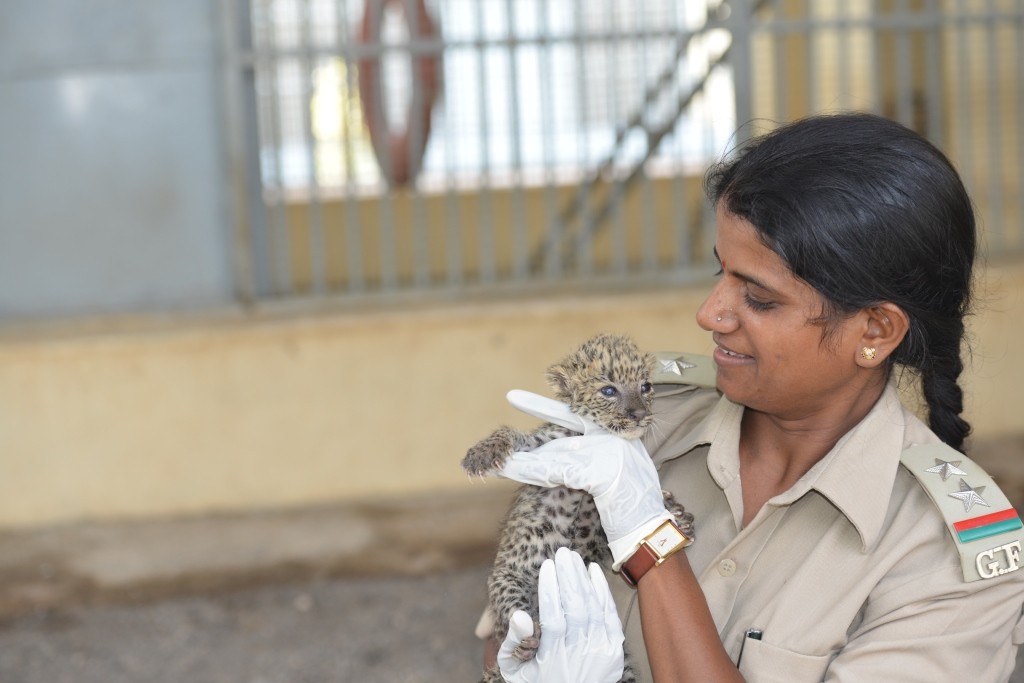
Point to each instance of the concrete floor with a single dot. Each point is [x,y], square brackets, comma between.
[385,592]
[395,630]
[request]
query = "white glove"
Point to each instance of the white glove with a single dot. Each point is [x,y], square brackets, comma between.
[581,635]
[619,473]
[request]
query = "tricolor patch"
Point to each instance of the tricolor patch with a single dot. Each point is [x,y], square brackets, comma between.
[987,525]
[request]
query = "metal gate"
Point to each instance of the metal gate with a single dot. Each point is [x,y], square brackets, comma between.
[389,148]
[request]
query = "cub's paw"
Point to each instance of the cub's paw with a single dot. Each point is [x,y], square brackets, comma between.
[683,518]
[489,454]
[527,648]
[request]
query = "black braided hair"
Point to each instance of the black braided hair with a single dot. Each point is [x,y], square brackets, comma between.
[866,211]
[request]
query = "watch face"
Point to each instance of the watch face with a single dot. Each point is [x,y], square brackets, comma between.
[665,538]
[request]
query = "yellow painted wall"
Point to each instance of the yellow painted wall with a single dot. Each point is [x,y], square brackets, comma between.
[242,412]
[439,220]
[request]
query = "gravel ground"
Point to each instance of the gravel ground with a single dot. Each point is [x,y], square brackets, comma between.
[371,631]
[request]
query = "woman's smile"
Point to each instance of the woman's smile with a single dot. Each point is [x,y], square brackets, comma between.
[724,356]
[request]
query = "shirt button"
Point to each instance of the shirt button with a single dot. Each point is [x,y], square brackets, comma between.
[727,567]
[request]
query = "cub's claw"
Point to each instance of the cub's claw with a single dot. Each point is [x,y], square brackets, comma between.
[527,648]
[683,518]
[487,456]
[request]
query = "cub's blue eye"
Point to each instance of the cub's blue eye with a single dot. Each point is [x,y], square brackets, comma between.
[645,387]
[609,391]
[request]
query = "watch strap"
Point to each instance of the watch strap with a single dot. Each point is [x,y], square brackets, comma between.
[642,561]
[646,557]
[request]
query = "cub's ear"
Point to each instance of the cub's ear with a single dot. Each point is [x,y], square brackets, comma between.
[651,361]
[558,378]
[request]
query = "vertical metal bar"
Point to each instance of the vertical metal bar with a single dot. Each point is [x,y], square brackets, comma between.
[993,132]
[741,24]
[843,46]
[963,108]
[649,225]
[377,51]
[519,246]
[417,51]
[488,272]
[349,135]
[903,89]
[876,62]
[680,205]
[811,37]
[454,255]
[780,60]
[584,259]
[412,51]
[549,134]
[781,74]
[278,247]
[936,96]
[317,246]
[386,240]
[243,160]
[617,233]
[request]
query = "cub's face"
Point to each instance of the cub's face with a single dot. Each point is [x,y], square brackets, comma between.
[608,380]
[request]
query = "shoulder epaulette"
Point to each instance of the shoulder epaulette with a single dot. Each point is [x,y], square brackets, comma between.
[684,368]
[986,529]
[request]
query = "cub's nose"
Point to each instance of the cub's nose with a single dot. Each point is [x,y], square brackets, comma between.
[638,414]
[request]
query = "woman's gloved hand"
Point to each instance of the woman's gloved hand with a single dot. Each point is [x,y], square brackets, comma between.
[581,635]
[619,473]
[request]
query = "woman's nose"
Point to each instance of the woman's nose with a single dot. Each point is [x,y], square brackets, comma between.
[715,315]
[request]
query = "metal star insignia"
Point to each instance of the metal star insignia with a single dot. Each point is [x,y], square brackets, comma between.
[946,469]
[675,366]
[969,496]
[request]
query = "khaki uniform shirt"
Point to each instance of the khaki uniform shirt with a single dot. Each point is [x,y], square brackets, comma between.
[851,575]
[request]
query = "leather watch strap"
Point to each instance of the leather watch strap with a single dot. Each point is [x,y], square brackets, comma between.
[642,561]
[658,546]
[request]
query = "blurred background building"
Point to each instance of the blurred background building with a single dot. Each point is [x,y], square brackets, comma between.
[261,254]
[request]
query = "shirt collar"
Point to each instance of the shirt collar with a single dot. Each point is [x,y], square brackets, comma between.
[856,476]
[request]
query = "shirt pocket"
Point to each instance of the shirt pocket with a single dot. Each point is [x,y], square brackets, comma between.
[763,662]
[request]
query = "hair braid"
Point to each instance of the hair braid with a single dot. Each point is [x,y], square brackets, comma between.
[940,387]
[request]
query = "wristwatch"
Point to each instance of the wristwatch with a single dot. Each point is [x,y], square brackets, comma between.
[657,547]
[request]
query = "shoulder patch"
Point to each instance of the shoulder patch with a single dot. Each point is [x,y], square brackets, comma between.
[684,368]
[986,529]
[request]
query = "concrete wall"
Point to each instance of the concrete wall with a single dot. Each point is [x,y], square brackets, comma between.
[236,413]
[111,163]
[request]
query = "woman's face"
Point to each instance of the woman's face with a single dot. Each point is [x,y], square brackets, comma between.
[770,353]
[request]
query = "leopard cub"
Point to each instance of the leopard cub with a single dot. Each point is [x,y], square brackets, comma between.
[607,380]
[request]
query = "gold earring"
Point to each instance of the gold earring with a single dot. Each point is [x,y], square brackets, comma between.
[868,353]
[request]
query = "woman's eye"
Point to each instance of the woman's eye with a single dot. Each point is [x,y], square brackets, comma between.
[757,304]
[609,391]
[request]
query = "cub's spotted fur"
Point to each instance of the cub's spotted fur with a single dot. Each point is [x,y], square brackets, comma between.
[607,380]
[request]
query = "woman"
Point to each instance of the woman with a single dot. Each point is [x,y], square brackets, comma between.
[833,527]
